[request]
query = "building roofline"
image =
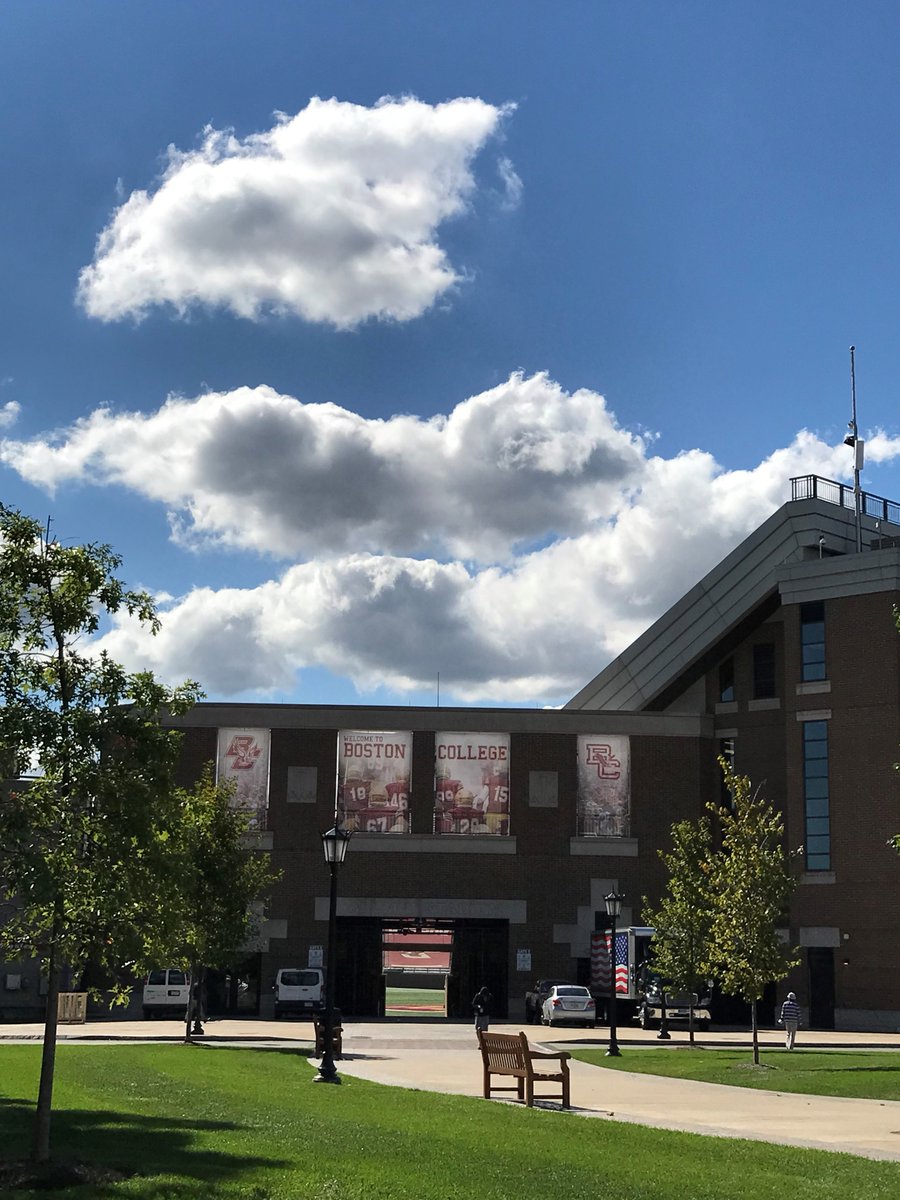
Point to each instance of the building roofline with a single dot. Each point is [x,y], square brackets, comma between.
[746,581]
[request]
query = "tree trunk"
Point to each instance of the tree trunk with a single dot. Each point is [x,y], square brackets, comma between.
[41,1147]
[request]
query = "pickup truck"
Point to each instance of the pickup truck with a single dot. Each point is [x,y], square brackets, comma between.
[678,1007]
[534,999]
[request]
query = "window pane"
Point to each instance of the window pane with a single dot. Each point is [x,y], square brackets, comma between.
[817,825]
[814,653]
[815,731]
[818,844]
[812,631]
[815,749]
[813,671]
[818,862]
[815,768]
[764,671]
[817,806]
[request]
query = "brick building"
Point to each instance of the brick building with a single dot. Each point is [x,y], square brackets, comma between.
[789,645]
[785,657]
[504,828]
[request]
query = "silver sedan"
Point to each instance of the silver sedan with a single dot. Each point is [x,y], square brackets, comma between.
[569,1005]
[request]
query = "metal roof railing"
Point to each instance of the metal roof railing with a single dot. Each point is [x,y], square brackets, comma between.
[814,487]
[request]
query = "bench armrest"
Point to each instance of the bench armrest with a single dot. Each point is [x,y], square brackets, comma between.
[562,1055]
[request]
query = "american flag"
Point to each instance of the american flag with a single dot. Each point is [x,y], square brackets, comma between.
[600,962]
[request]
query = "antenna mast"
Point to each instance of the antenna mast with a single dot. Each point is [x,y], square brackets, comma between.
[853,440]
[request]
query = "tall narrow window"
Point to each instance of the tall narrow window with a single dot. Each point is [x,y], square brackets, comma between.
[764,671]
[812,640]
[726,681]
[816,810]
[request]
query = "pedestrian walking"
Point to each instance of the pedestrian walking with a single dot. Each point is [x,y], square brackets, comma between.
[481,1006]
[790,1019]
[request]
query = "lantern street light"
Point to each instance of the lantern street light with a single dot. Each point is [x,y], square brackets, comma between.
[613,904]
[334,844]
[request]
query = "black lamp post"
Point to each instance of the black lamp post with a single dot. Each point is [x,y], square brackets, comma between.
[613,908]
[334,843]
[663,1035]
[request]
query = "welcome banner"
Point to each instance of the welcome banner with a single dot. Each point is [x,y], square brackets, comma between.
[373,781]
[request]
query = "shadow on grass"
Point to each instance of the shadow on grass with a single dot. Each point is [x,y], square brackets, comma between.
[134,1145]
[867,1070]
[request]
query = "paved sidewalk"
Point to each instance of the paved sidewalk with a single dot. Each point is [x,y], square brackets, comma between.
[443,1057]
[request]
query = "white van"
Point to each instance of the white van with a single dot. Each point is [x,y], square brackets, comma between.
[166,990]
[299,990]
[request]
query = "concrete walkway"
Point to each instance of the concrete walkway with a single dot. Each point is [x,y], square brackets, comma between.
[443,1057]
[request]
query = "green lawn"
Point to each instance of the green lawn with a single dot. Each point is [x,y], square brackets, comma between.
[201,1123]
[409,1001]
[873,1074]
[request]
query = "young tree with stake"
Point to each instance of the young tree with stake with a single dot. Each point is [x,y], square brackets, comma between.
[750,885]
[683,919]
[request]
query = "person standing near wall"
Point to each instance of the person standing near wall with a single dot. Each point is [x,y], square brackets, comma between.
[481,1006]
[790,1019]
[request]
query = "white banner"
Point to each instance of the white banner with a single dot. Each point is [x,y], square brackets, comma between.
[373,781]
[243,760]
[603,806]
[471,783]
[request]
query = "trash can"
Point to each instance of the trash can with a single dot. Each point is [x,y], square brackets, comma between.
[337,1039]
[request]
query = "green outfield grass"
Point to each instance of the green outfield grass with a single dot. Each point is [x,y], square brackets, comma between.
[409,1001]
[201,1123]
[873,1074]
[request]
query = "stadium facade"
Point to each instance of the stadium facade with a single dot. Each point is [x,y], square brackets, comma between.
[499,831]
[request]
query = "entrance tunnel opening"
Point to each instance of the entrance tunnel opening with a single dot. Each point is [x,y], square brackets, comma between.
[420,968]
[417,957]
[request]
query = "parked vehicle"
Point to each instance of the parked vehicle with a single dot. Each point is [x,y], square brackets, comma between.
[678,1005]
[631,954]
[534,1000]
[569,1004]
[299,990]
[166,990]
[638,986]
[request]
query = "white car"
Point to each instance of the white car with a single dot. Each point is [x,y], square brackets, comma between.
[569,1004]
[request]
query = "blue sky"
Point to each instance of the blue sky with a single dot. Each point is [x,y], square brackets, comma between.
[473,359]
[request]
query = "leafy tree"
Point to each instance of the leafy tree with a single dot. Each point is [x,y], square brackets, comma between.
[86,843]
[750,886]
[683,919]
[222,878]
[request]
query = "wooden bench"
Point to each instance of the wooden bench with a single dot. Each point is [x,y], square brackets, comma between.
[509,1054]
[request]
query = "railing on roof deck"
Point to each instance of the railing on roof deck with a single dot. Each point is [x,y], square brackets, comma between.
[814,487]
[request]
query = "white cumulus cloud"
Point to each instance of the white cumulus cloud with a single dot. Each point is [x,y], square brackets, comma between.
[332,215]
[256,470]
[513,546]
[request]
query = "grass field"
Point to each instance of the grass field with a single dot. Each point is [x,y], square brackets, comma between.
[871,1074]
[409,1001]
[200,1123]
